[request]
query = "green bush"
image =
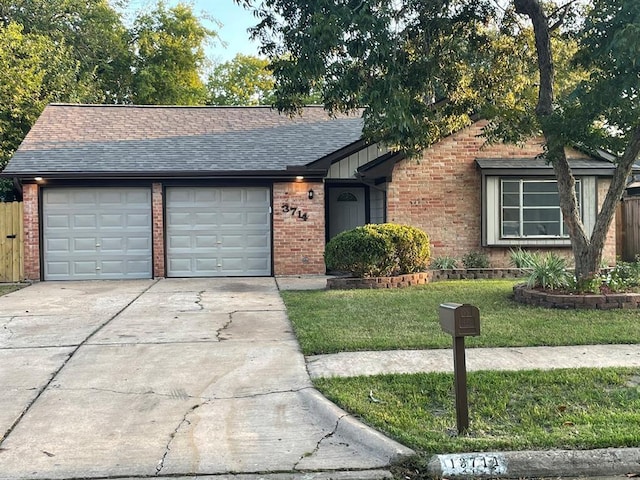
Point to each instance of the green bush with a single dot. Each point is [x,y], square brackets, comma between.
[378,250]
[475,259]
[549,271]
[411,246]
[520,258]
[444,263]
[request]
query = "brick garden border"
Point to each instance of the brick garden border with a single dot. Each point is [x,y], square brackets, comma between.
[421,278]
[522,293]
[539,298]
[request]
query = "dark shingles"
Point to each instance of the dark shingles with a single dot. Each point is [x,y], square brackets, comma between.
[120,139]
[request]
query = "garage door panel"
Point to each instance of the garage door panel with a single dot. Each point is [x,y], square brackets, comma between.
[222,228]
[204,219]
[84,245]
[84,221]
[94,233]
[57,244]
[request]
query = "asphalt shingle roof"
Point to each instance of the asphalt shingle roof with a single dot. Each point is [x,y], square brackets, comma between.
[102,139]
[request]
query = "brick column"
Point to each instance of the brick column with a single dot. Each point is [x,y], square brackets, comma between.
[31,231]
[157,210]
[298,244]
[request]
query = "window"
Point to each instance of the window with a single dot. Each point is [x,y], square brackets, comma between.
[531,208]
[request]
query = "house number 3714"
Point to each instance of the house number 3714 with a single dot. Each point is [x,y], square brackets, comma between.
[286,208]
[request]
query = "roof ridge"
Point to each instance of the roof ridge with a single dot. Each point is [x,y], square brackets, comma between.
[121,105]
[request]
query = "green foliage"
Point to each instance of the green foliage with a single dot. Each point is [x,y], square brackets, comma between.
[169,57]
[623,277]
[361,252]
[411,248]
[549,271]
[444,263]
[34,71]
[475,259]
[245,80]
[520,258]
[378,250]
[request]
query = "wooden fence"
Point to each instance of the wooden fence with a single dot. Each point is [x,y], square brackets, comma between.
[11,242]
[630,228]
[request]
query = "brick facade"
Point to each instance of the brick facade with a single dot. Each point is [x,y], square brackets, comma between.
[31,219]
[298,245]
[441,194]
[157,219]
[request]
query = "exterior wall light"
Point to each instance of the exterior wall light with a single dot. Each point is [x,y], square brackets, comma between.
[299,178]
[310,194]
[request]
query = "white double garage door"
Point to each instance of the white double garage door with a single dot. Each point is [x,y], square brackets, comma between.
[107,233]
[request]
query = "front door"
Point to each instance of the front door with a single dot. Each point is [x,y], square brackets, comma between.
[346,209]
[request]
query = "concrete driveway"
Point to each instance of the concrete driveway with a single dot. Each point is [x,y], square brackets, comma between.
[166,378]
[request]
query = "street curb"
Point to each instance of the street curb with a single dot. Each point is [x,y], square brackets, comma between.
[528,464]
[383,447]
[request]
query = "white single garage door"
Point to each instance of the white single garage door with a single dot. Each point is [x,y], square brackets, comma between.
[218,232]
[97,233]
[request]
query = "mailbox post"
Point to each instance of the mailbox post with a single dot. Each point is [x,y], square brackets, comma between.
[460,320]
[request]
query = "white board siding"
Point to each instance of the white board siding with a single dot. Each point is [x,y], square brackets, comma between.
[345,168]
[97,233]
[218,231]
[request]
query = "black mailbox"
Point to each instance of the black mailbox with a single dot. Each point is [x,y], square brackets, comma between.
[460,320]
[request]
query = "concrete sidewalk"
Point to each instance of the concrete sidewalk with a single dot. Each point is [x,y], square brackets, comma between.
[167,378]
[352,364]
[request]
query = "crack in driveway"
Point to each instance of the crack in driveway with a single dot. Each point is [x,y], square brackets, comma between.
[319,444]
[167,449]
[8,329]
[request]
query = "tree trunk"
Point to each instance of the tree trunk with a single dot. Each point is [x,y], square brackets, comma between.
[587,250]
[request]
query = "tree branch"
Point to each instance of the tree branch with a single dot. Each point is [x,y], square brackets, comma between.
[533,10]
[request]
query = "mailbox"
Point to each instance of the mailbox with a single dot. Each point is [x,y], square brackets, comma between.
[460,320]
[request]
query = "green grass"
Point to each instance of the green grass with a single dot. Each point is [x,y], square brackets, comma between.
[329,321]
[573,409]
[10,287]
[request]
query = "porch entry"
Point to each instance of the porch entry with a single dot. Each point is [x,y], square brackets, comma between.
[347,208]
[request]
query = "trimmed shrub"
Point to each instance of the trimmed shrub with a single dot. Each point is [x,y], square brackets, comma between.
[412,248]
[378,250]
[475,259]
[360,252]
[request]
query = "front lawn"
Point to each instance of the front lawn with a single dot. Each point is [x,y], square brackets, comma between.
[329,321]
[572,409]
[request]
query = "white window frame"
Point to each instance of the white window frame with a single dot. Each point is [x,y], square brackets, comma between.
[522,208]
[492,212]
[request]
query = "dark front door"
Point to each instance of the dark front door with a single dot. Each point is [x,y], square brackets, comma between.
[347,209]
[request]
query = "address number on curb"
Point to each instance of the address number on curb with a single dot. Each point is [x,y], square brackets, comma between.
[295,211]
[472,464]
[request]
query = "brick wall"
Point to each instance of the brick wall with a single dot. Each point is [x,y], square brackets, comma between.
[158,230]
[31,232]
[298,245]
[441,193]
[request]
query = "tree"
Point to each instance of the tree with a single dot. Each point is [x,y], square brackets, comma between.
[169,57]
[603,111]
[420,69]
[245,80]
[92,32]
[33,72]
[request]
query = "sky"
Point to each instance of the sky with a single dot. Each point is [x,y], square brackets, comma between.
[234,19]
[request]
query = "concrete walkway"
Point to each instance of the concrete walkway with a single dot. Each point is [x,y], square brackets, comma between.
[167,378]
[352,364]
